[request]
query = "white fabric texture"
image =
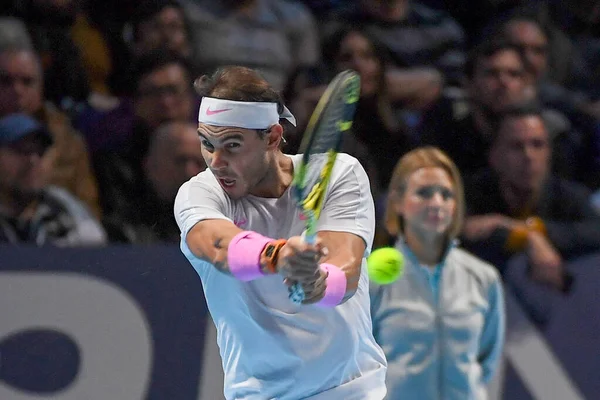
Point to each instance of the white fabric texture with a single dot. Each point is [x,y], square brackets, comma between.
[272,348]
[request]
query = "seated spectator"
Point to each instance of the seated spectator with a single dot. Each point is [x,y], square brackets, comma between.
[162,93]
[49,24]
[276,37]
[517,204]
[379,138]
[153,26]
[161,24]
[498,77]
[31,210]
[146,216]
[121,137]
[561,74]
[425,46]
[21,91]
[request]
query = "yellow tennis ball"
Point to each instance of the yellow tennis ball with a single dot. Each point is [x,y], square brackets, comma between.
[385,265]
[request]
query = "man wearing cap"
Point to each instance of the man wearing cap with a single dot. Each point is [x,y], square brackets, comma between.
[31,211]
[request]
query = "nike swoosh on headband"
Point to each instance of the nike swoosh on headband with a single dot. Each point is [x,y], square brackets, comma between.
[213,112]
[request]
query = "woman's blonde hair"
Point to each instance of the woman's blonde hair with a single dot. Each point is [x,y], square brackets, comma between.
[423,157]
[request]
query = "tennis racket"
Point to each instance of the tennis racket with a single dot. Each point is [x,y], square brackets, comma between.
[320,145]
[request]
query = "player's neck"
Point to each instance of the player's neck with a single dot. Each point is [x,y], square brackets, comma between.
[277,179]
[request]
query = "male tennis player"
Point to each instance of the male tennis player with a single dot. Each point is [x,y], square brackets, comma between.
[232,219]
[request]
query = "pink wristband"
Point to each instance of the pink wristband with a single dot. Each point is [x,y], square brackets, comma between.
[336,286]
[243,255]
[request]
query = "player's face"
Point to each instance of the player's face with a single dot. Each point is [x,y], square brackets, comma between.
[236,156]
[429,203]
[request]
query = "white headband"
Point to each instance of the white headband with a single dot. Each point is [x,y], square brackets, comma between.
[241,114]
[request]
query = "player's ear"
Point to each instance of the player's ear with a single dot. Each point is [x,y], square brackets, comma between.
[274,136]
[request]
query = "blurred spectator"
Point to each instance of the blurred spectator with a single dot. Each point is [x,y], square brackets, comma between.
[498,77]
[121,138]
[375,123]
[174,156]
[31,211]
[161,24]
[273,36]
[426,46]
[561,74]
[21,91]
[518,205]
[444,292]
[378,137]
[49,23]
[162,93]
[151,26]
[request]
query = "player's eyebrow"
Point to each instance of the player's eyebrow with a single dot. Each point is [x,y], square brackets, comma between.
[223,138]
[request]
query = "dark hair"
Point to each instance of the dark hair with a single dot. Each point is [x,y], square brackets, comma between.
[526,109]
[155,60]
[238,84]
[489,48]
[332,44]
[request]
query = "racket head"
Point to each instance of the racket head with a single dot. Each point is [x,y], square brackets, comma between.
[322,139]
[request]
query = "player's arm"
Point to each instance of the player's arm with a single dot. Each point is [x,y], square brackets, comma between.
[209,240]
[246,255]
[209,235]
[346,251]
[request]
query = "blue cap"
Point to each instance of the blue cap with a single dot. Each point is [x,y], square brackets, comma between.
[15,127]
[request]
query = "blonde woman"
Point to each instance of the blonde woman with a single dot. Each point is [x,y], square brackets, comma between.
[441,325]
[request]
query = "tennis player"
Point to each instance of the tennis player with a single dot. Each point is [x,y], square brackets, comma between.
[442,324]
[241,231]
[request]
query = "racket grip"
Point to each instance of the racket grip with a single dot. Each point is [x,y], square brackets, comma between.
[297,293]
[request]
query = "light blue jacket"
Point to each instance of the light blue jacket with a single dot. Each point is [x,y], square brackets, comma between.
[442,328]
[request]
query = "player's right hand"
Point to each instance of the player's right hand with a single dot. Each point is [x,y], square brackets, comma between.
[298,262]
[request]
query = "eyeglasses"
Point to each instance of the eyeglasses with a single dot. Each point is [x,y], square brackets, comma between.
[427,192]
